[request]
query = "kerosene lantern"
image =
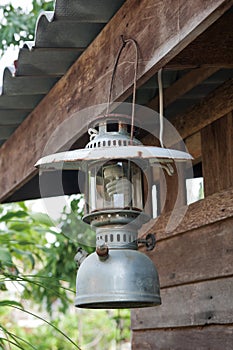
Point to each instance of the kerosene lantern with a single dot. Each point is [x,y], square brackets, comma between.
[117,204]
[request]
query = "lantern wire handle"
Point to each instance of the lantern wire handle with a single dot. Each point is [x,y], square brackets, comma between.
[124,43]
[160,84]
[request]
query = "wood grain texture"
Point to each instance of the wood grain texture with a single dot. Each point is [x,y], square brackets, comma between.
[209,210]
[193,144]
[195,304]
[217,157]
[172,190]
[196,255]
[214,47]
[214,106]
[172,24]
[195,338]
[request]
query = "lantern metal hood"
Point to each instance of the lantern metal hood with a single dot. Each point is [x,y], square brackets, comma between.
[117,204]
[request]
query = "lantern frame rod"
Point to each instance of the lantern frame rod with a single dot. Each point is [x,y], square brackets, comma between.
[160,85]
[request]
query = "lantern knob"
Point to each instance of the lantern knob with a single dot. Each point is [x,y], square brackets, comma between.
[102,249]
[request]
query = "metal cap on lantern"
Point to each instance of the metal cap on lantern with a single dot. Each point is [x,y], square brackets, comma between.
[117,168]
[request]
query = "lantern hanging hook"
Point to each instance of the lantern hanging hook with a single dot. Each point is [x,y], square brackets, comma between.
[124,43]
[169,168]
[92,133]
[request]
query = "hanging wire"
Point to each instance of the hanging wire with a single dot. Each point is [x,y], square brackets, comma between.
[124,43]
[113,74]
[160,84]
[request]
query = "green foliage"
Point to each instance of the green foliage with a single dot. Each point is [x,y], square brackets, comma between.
[59,268]
[18,26]
[45,270]
[20,337]
[74,228]
[21,243]
[25,255]
[10,303]
[96,329]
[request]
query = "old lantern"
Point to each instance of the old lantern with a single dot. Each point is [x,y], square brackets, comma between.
[118,187]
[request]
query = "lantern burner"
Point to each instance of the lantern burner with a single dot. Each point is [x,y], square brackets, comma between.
[117,228]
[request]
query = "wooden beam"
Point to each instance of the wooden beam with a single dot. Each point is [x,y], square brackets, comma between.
[209,210]
[214,106]
[196,304]
[183,85]
[213,337]
[217,157]
[213,48]
[171,24]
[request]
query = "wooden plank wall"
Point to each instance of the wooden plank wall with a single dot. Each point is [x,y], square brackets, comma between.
[195,262]
[196,277]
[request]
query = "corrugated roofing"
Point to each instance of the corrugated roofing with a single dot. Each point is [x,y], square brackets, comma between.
[60,38]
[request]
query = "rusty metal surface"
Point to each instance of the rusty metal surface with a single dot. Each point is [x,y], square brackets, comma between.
[78,159]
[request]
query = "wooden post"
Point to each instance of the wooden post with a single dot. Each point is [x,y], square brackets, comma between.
[172,189]
[217,155]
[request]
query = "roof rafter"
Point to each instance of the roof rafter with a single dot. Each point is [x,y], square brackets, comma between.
[214,106]
[183,85]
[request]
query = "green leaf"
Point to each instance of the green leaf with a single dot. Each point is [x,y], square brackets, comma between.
[10,303]
[15,338]
[15,214]
[4,238]
[8,341]
[3,286]
[5,256]
[25,253]
[41,218]
[19,226]
[22,205]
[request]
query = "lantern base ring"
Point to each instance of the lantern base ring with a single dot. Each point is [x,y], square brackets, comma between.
[116,216]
